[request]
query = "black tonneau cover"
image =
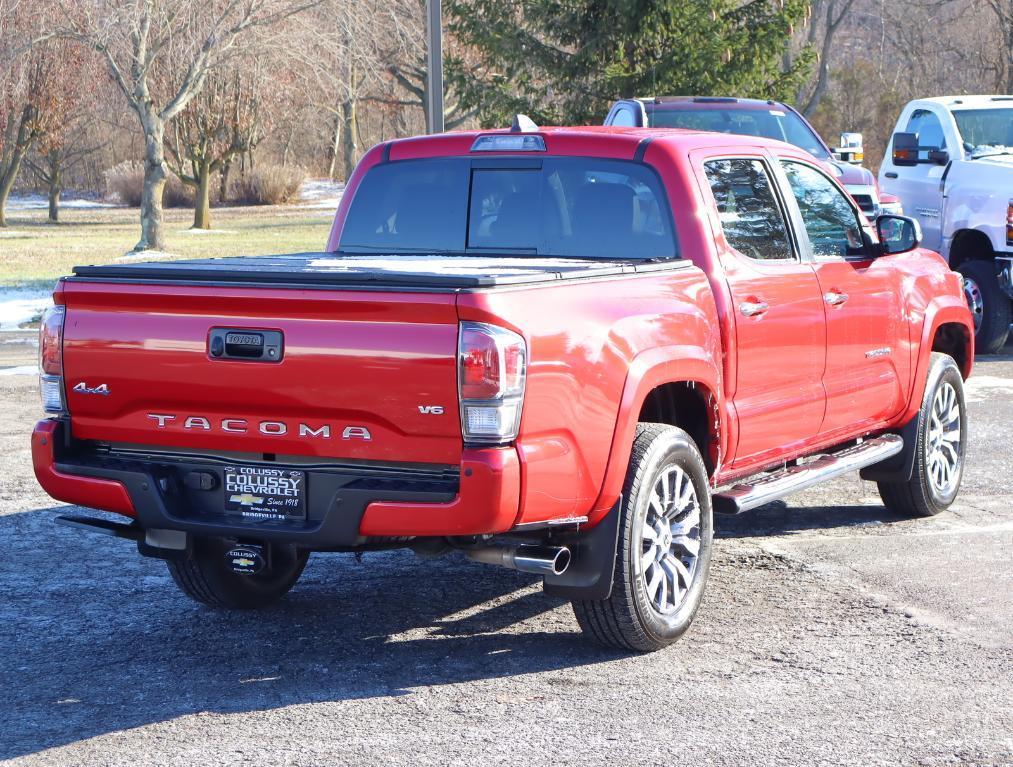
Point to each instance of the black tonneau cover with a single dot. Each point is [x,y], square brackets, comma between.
[436,271]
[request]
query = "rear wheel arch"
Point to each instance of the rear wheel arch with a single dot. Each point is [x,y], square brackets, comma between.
[689,406]
[685,366]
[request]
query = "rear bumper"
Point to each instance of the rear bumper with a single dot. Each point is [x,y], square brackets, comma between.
[344,504]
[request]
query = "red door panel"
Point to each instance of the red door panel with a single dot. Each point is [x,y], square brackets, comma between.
[867,359]
[779,398]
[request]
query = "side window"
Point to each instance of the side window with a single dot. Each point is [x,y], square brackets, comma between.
[833,227]
[749,214]
[623,117]
[929,130]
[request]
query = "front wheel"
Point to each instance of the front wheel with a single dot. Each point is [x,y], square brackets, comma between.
[990,307]
[939,449]
[205,575]
[665,538]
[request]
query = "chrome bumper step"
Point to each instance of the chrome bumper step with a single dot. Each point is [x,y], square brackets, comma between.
[764,488]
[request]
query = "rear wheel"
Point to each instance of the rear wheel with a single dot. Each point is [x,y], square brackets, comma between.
[664,552]
[205,576]
[940,446]
[990,307]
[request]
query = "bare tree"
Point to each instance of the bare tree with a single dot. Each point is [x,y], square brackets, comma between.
[828,17]
[59,155]
[223,121]
[406,65]
[37,88]
[1001,59]
[338,59]
[184,38]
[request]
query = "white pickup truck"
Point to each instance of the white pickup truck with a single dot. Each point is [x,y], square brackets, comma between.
[950,161]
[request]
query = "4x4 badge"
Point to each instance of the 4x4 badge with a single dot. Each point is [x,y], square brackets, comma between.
[84,388]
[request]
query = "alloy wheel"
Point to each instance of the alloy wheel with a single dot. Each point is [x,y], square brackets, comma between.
[944,451]
[670,540]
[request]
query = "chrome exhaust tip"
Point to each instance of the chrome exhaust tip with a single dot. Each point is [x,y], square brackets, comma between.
[527,558]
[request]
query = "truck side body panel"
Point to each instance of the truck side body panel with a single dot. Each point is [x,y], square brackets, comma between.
[580,348]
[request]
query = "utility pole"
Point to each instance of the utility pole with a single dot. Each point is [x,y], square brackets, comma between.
[434,66]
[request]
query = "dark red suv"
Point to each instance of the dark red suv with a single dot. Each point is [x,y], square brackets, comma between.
[753,117]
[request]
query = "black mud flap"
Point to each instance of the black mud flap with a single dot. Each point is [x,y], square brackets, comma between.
[591,570]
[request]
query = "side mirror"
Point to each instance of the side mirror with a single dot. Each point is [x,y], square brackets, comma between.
[938,156]
[897,234]
[851,148]
[905,148]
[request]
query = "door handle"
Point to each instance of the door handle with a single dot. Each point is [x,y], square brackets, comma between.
[890,174]
[835,298]
[753,308]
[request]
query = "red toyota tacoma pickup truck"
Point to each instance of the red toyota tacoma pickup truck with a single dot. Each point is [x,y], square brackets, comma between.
[557,350]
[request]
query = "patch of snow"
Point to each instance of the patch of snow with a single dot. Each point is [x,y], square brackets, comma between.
[321,193]
[21,370]
[209,231]
[41,202]
[18,305]
[979,388]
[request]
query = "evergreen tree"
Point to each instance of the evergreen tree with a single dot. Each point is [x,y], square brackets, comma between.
[565,61]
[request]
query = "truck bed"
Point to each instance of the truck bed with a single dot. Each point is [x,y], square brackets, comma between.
[329,270]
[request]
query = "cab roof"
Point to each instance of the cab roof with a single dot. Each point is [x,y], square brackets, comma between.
[595,140]
[970,102]
[660,103]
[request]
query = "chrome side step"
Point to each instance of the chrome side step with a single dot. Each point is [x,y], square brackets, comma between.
[765,488]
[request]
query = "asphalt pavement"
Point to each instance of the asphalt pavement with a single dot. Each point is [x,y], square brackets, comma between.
[832,632]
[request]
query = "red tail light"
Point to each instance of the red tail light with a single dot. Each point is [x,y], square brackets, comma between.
[51,359]
[491,375]
[1009,223]
[51,341]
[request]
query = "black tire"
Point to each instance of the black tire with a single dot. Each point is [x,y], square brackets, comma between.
[922,495]
[629,619]
[204,576]
[991,307]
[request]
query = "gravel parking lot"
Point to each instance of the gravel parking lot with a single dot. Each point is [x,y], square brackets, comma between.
[832,633]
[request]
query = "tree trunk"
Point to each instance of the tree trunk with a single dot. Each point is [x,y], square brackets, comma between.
[55,184]
[7,181]
[18,153]
[335,148]
[223,181]
[348,131]
[155,173]
[202,197]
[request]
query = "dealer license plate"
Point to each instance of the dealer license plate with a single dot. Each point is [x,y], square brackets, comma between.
[259,492]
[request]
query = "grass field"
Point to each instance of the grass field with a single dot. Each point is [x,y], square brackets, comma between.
[34,252]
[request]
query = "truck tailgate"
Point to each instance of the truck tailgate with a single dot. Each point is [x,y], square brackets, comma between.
[367,375]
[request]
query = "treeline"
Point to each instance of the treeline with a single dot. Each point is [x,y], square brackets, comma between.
[229,100]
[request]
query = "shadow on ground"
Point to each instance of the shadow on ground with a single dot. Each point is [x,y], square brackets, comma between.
[98,640]
[780,518]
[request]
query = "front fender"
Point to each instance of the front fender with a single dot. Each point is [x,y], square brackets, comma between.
[650,369]
[943,309]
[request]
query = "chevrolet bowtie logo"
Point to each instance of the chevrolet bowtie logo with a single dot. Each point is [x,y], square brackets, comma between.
[247,499]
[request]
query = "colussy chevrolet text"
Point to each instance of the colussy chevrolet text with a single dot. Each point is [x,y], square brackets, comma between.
[558,350]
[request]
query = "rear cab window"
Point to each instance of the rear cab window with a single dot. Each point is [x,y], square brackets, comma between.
[750,216]
[547,206]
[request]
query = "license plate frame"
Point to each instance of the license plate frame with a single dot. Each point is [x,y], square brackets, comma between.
[264,493]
